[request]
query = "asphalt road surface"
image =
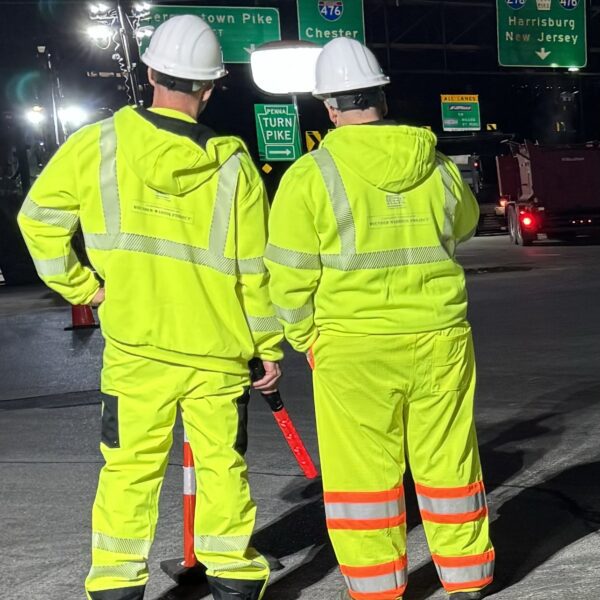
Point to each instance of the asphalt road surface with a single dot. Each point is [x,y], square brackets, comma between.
[536,318]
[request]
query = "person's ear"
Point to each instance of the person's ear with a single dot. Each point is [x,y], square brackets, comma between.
[207,93]
[151,78]
[333,114]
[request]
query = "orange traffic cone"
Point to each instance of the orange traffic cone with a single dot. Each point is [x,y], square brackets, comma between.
[82,318]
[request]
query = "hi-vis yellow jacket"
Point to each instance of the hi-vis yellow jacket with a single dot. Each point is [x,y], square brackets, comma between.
[362,237]
[176,230]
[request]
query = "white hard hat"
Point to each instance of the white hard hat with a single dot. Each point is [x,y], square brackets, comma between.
[186,47]
[345,65]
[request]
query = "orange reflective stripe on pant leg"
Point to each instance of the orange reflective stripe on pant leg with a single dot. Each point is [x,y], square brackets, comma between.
[385,581]
[465,572]
[365,510]
[452,505]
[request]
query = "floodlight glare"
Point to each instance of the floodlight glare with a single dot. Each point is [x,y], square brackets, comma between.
[573,69]
[286,67]
[72,116]
[35,115]
[144,32]
[100,33]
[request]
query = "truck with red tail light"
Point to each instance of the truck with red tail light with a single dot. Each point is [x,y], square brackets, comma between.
[550,192]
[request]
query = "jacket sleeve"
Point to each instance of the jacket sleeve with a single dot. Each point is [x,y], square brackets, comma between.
[466,217]
[293,259]
[253,278]
[466,210]
[48,219]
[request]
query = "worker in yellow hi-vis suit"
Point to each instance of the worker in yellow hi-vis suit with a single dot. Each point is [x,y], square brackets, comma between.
[174,221]
[361,252]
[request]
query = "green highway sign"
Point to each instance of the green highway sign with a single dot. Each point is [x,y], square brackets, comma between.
[461,112]
[320,21]
[542,33]
[278,132]
[240,29]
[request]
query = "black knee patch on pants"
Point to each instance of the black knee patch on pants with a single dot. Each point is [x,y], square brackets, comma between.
[110,421]
[241,440]
[130,593]
[234,589]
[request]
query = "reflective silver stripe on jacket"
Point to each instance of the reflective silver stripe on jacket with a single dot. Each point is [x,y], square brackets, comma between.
[108,543]
[49,216]
[160,247]
[450,202]
[349,259]
[50,267]
[221,543]
[339,200]
[458,575]
[293,258]
[263,324]
[365,510]
[226,188]
[452,506]
[109,187]
[385,258]
[295,315]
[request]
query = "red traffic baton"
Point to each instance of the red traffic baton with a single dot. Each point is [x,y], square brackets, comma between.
[281,416]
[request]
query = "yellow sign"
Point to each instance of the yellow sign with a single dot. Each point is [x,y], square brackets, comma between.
[491,127]
[267,168]
[313,139]
[460,98]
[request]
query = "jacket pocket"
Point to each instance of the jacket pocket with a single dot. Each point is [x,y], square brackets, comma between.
[241,438]
[452,364]
[110,421]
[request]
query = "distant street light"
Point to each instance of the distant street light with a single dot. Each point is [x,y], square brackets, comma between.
[35,115]
[285,67]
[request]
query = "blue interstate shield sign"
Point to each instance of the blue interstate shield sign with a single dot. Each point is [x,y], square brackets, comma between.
[331,10]
[516,4]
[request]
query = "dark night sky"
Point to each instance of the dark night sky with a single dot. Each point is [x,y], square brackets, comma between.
[520,102]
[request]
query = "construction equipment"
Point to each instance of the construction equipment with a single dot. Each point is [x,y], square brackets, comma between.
[550,191]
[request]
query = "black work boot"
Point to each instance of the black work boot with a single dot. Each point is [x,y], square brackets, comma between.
[129,593]
[235,589]
[466,596]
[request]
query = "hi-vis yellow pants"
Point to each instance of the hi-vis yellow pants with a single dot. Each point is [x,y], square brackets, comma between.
[383,400]
[141,399]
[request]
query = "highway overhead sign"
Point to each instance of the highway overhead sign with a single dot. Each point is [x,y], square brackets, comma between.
[278,132]
[460,112]
[542,33]
[240,29]
[321,21]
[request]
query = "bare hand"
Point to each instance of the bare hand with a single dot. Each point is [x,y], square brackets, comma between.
[98,299]
[268,384]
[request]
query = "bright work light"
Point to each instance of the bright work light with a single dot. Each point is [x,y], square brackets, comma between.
[286,67]
[72,116]
[35,115]
[100,33]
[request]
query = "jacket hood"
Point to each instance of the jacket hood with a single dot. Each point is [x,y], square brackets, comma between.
[168,162]
[392,158]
